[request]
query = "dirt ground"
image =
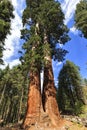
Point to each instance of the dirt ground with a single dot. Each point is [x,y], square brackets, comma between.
[63,125]
[45,124]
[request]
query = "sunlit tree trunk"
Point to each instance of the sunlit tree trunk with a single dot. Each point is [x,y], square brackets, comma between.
[49,91]
[34,100]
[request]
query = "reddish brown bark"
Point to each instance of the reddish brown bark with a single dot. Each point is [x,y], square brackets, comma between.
[49,95]
[34,100]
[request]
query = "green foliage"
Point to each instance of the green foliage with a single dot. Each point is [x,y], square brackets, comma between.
[85,89]
[78,108]
[13,94]
[81,17]
[50,19]
[84,112]
[70,92]
[6,13]
[85,81]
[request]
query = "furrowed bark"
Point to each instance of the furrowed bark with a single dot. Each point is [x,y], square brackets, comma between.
[34,100]
[49,91]
[49,96]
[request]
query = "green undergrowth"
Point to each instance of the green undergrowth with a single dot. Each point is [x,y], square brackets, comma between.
[84,112]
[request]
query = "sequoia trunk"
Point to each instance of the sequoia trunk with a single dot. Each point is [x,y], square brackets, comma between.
[34,100]
[49,91]
[49,95]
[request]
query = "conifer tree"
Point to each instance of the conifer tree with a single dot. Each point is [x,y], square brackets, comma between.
[69,87]
[6,13]
[13,94]
[44,31]
[81,17]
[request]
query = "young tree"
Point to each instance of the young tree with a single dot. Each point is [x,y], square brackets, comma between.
[69,87]
[81,17]
[6,13]
[44,30]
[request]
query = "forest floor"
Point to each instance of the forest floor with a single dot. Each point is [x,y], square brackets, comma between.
[68,122]
[65,124]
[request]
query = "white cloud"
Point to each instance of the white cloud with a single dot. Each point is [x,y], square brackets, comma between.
[11,64]
[14,2]
[14,62]
[69,7]
[12,44]
[74,30]
[58,63]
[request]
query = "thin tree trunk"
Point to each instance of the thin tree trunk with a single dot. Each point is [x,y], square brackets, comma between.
[34,100]
[2,95]
[9,117]
[4,107]
[20,106]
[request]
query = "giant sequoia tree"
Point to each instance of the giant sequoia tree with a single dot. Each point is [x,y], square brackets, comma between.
[81,17]
[6,13]
[44,30]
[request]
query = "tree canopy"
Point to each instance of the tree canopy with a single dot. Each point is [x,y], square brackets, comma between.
[49,17]
[6,13]
[81,17]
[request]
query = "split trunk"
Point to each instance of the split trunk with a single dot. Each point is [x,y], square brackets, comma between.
[49,91]
[49,95]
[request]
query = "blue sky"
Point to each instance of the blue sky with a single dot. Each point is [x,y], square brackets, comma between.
[76,46]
